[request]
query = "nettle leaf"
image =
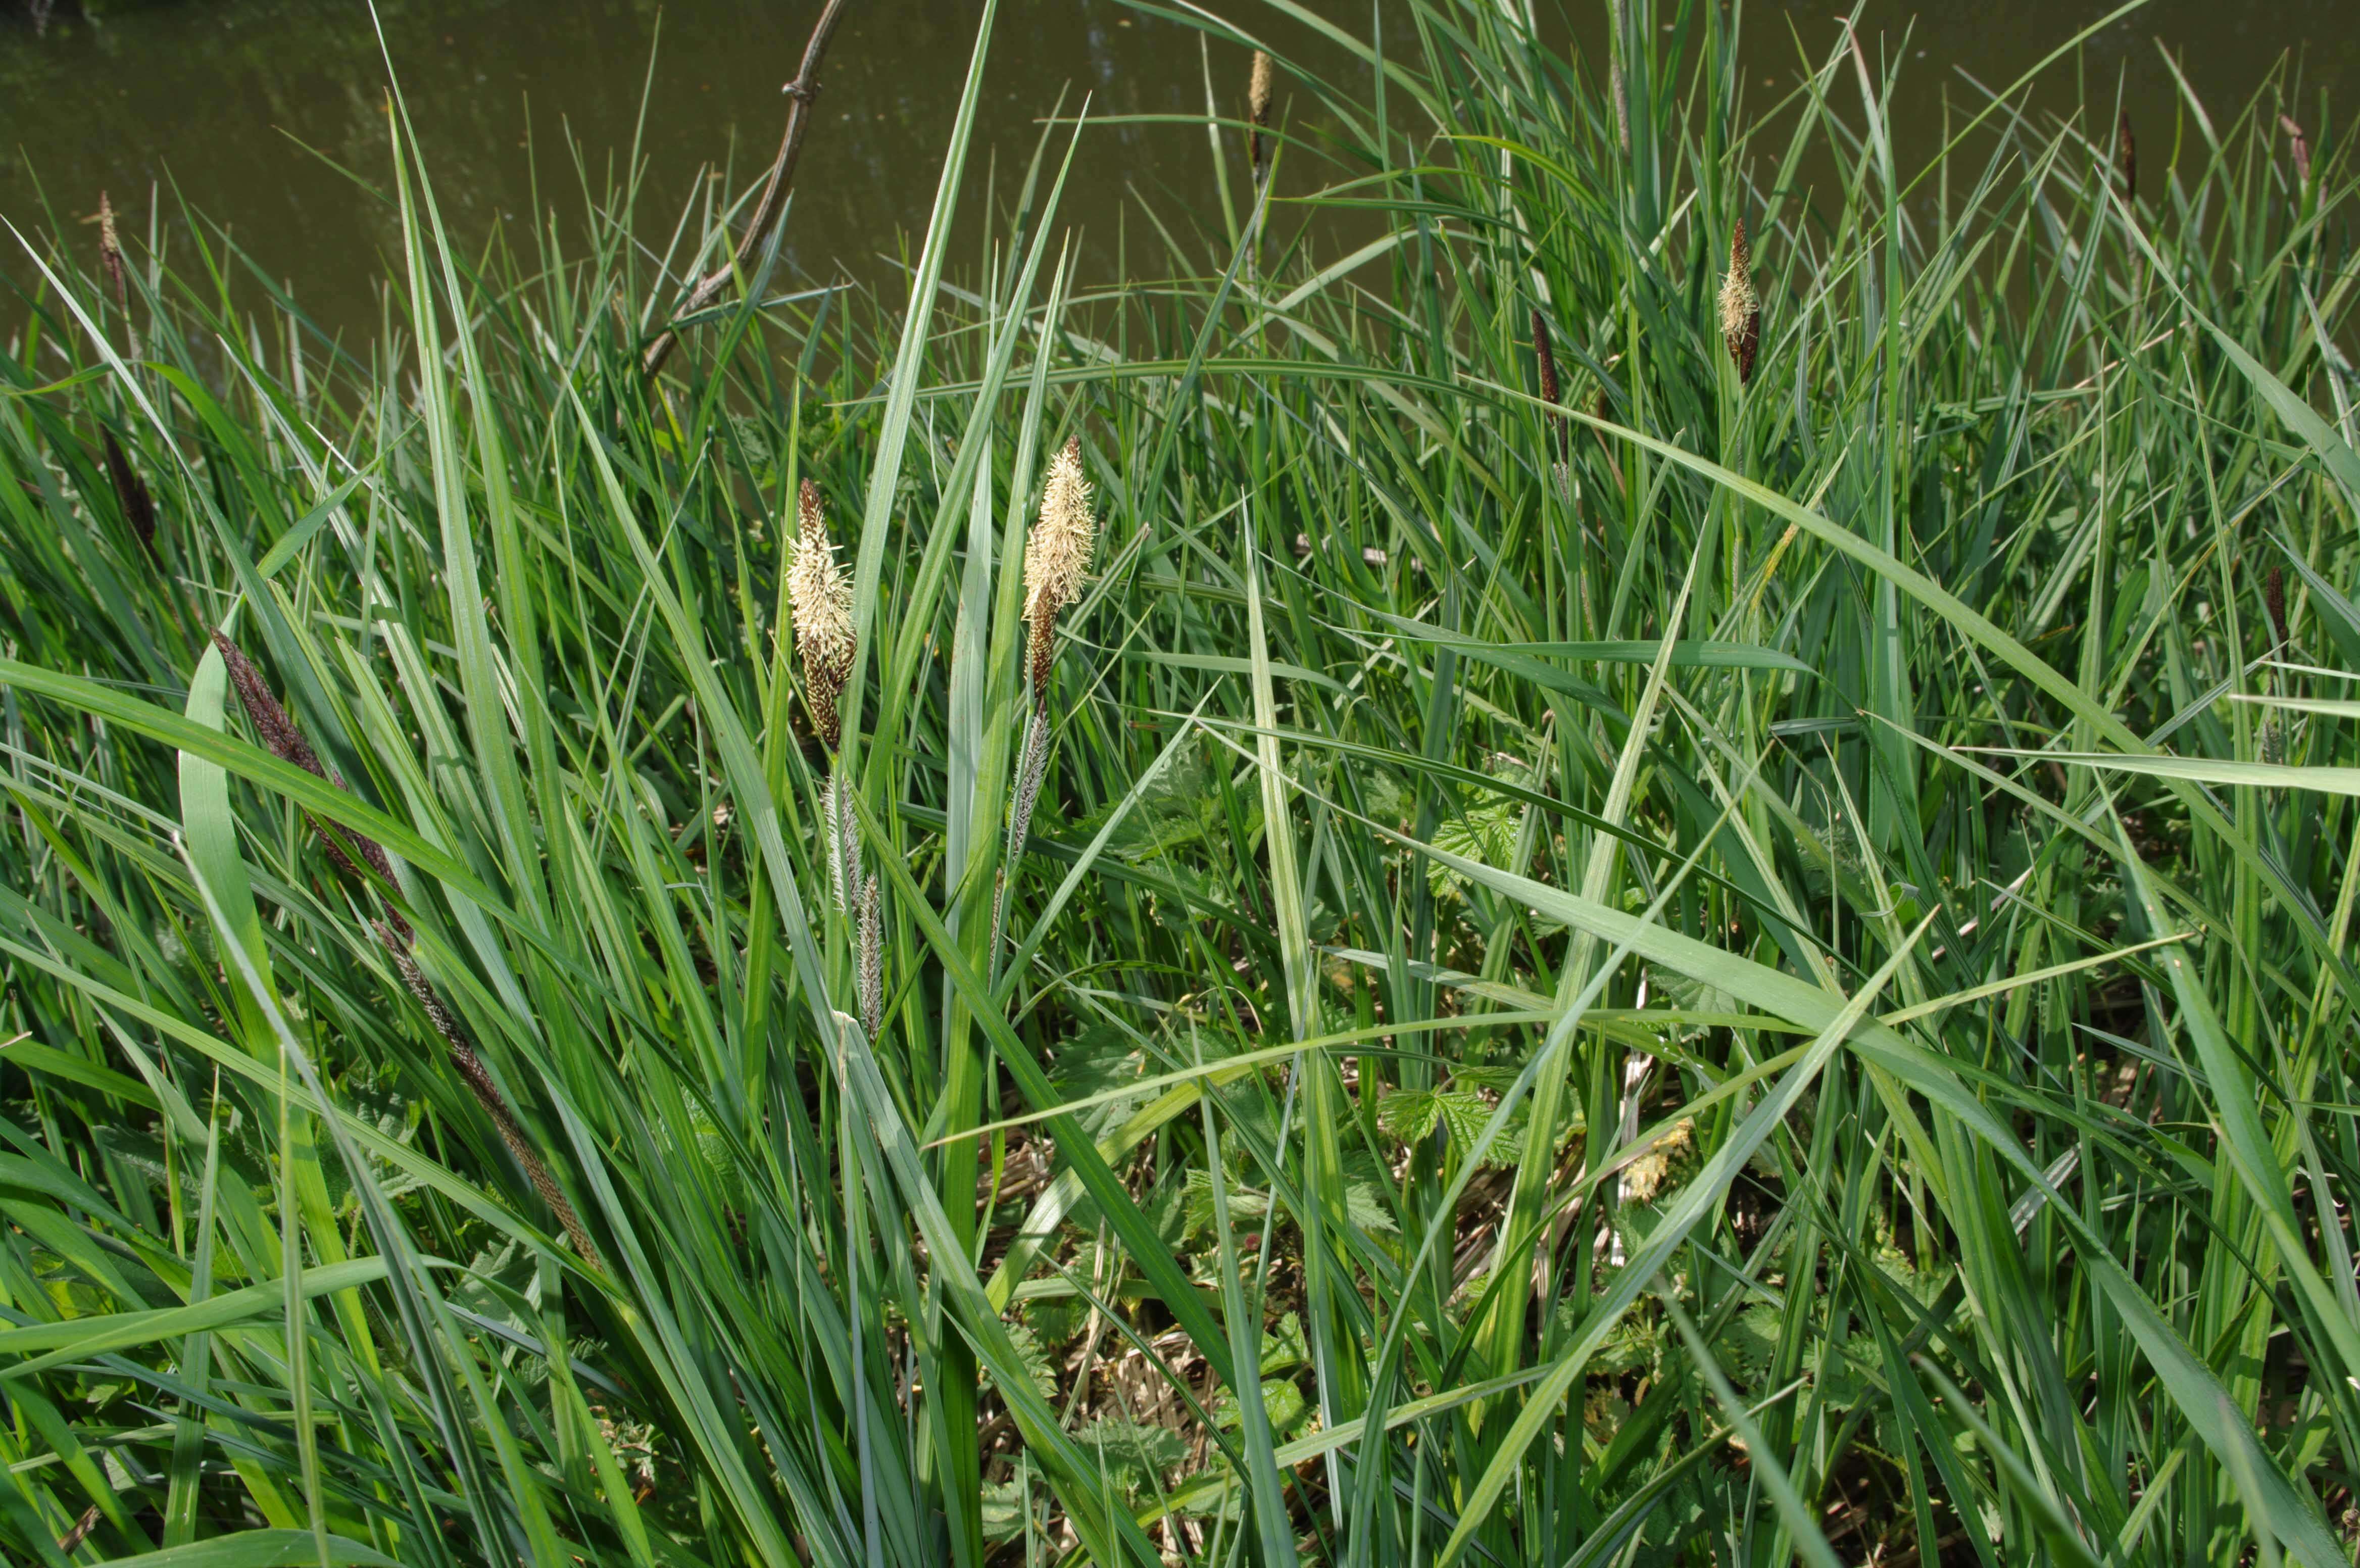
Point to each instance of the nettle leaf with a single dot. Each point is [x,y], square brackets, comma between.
[1281,1402]
[1130,1449]
[1096,1060]
[1410,1114]
[1179,806]
[1463,1112]
[712,1149]
[1002,1506]
[1749,1345]
[1366,1209]
[1286,1348]
[511,1266]
[1035,1360]
[1485,833]
[1246,1205]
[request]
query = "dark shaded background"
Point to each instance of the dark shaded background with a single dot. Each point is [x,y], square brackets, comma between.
[220,99]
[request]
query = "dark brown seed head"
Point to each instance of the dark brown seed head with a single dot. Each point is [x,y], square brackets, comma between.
[2274,595]
[279,733]
[469,1066]
[1741,306]
[1041,647]
[283,741]
[1546,353]
[130,492]
[1552,392]
[2125,157]
[2298,145]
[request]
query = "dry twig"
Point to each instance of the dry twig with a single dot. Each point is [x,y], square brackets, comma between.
[804,91]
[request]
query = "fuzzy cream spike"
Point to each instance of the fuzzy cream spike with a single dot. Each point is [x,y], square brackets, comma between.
[1058,555]
[1056,558]
[1741,307]
[872,958]
[1259,92]
[819,596]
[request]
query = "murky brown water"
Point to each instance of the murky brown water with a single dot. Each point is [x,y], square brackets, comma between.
[246,107]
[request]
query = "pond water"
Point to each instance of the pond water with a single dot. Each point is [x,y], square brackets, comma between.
[267,116]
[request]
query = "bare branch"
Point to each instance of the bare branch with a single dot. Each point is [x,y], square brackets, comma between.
[802,93]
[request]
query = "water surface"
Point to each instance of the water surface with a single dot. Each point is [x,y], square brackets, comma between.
[267,116]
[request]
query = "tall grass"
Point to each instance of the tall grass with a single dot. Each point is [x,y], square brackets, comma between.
[1709,968]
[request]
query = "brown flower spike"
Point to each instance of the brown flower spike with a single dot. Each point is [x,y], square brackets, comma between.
[281,739]
[2274,597]
[2300,145]
[1741,307]
[1551,392]
[819,597]
[110,253]
[130,492]
[2125,157]
[468,1063]
[1257,101]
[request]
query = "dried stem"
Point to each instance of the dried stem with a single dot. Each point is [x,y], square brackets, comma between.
[804,91]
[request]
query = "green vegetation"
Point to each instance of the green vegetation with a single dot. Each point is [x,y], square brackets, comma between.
[1721,970]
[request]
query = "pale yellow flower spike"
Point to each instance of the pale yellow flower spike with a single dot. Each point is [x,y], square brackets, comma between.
[1058,555]
[819,597]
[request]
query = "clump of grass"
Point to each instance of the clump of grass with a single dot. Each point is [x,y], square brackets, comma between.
[349,853]
[1750,987]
